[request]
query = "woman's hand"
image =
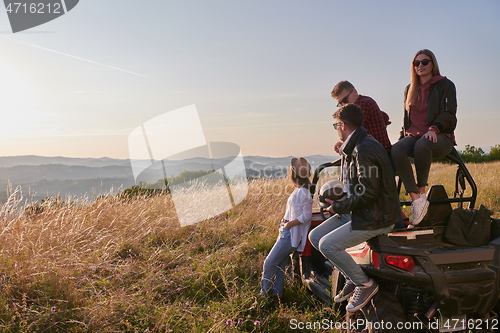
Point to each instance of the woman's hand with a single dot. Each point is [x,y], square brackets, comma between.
[290,224]
[431,136]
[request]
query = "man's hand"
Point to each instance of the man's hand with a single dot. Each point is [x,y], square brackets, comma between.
[337,146]
[330,209]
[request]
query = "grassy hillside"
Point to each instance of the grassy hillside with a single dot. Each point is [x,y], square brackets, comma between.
[486,176]
[119,265]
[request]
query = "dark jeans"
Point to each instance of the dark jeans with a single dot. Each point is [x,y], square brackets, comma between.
[422,150]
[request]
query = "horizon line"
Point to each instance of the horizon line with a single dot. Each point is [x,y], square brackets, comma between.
[253,155]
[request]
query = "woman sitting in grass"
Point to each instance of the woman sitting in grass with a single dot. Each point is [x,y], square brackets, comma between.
[293,229]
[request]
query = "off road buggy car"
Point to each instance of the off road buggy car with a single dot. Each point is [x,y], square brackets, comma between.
[426,284]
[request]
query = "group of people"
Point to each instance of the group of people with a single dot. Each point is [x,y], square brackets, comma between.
[371,207]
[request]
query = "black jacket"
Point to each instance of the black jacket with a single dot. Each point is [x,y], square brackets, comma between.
[441,107]
[374,202]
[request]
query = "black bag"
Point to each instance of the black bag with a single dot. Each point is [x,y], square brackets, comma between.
[469,227]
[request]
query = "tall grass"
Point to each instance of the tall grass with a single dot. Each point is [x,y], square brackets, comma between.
[125,264]
[486,176]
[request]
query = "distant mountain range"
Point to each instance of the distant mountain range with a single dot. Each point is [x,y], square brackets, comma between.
[43,177]
[10,161]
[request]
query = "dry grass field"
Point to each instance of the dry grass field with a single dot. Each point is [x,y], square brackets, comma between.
[126,265]
[486,176]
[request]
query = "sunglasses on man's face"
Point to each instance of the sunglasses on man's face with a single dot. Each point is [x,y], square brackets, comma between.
[344,100]
[336,125]
[424,62]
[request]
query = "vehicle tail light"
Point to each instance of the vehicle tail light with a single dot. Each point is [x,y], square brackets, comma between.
[401,262]
[376,260]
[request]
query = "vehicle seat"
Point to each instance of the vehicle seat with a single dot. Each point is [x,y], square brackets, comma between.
[438,213]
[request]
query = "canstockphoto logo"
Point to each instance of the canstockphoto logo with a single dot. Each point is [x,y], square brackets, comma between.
[180,133]
[25,15]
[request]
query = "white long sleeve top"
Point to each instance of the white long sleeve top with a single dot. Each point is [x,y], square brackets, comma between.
[299,206]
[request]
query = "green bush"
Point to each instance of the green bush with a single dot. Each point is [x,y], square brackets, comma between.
[140,191]
[495,153]
[471,154]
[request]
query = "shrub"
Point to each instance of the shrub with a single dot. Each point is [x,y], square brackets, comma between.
[495,153]
[473,154]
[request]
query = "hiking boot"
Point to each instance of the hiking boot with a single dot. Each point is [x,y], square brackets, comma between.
[362,296]
[346,292]
[419,207]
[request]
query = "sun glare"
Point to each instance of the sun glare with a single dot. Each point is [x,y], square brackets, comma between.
[18,107]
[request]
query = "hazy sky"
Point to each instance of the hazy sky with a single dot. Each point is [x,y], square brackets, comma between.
[259,72]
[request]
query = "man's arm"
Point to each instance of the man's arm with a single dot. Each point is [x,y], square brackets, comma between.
[370,110]
[373,118]
[385,116]
[368,186]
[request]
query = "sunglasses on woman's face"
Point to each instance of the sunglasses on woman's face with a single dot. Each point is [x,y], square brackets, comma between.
[424,62]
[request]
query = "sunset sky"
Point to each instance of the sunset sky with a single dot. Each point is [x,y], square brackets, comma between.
[259,72]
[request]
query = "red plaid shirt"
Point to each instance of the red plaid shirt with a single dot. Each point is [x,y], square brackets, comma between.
[374,120]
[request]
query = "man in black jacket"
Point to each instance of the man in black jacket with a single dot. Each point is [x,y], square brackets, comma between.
[372,199]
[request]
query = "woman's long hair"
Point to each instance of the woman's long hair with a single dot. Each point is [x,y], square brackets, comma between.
[412,95]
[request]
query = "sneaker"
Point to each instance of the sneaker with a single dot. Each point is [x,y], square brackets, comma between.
[362,296]
[419,208]
[346,292]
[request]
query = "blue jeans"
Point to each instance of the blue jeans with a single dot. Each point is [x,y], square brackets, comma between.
[335,235]
[273,274]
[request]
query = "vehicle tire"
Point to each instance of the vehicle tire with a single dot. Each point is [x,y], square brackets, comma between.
[351,319]
[492,322]
[383,312]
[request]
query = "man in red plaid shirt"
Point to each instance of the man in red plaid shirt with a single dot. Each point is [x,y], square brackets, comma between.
[374,120]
